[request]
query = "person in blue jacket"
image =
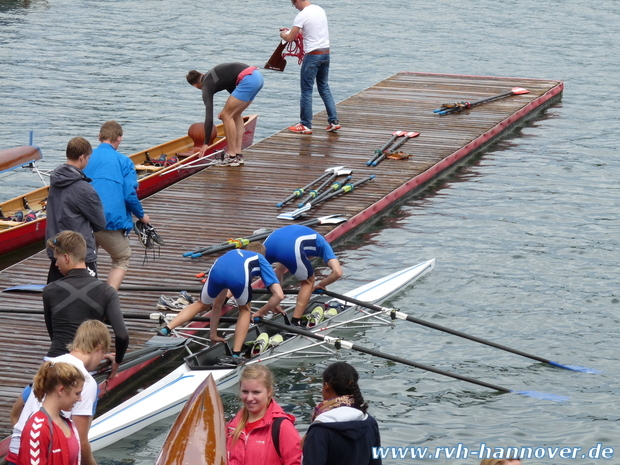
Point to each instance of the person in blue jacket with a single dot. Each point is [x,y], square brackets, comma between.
[291,247]
[233,272]
[341,432]
[115,180]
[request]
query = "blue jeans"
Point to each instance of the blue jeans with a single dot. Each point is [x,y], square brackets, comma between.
[315,67]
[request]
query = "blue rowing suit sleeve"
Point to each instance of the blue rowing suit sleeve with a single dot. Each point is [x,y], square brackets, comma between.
[323,249]
[266,272]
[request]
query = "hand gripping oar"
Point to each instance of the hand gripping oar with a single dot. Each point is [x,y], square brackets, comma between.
[398,145]
[455,107]
[340,343]
[395,314]
[314,193]
[243,241]
[378,152]
[299,192]
[343,190]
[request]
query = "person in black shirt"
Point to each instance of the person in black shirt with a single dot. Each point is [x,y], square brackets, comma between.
[243,83]
[77,297]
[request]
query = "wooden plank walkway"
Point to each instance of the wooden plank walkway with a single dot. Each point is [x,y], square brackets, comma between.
[224,202]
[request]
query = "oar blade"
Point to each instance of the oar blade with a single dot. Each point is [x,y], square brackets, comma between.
[576,368]
[543,396]
[519,91]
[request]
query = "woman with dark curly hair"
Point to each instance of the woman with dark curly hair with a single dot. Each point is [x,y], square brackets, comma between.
[341,432]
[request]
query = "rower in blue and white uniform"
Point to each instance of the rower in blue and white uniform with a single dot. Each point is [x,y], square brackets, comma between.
[233,272]
[292,247]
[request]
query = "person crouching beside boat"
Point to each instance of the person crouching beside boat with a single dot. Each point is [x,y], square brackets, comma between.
[261,433]
[341,433]
[49,437]
[233,272]
[291,247]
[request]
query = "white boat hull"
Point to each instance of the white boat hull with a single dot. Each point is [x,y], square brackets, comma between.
[167,396]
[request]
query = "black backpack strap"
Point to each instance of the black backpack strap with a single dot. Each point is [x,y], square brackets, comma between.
[275,433]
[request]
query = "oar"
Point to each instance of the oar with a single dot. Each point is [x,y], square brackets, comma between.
[243,241]
[129,316]
[395,314]
[455,107]
[340,343]
[378,152]
[343,190]
[398,145]
[314,193]
[349,187]
[333,188]
[299,192]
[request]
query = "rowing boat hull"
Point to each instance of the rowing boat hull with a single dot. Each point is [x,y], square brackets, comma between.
[14,236]
[167,396]
[198,435]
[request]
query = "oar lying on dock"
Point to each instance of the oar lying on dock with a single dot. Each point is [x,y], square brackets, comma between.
[395,314]
[349,187]
[314,193]
[340,343]
[379,152]
[299,192]
[455,107]
[243,241]
[399,144]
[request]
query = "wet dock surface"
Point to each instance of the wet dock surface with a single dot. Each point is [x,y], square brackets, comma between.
[229,202]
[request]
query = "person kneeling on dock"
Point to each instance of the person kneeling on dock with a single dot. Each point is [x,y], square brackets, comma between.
[233,272]
[291,248]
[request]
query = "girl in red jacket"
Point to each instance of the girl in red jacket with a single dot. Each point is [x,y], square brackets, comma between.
[261,433]
[48,437]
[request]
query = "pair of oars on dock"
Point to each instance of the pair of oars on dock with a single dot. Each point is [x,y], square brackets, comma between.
[386,150]
[328,189]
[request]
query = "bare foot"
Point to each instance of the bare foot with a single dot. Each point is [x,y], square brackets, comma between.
[215,339]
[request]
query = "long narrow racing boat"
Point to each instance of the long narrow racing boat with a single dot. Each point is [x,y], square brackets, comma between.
[22,219]
[167,396]
[198,435]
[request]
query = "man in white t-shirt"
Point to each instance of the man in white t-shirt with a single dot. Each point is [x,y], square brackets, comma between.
[92,341]
[311,21]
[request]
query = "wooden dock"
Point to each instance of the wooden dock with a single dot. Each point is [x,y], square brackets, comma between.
[226,202]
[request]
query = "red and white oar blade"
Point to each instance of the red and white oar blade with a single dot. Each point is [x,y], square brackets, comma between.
[519,91]
[412,134]
[398,133]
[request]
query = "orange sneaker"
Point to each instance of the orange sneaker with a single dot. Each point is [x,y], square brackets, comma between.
[300,129]
[333,127]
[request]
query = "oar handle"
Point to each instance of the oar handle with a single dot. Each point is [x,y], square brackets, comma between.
[296,193]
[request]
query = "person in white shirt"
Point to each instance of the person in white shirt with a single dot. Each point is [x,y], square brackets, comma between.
[92,341]
[311,21]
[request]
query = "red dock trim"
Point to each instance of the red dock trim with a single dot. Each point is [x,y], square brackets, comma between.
[444,164]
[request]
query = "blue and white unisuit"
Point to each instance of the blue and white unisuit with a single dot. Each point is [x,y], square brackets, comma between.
[234,270]
[294,245]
